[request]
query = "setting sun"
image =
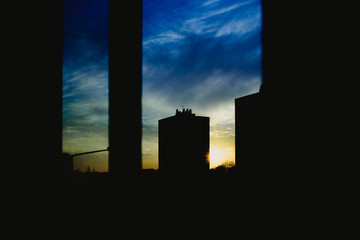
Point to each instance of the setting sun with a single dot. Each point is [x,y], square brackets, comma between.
[219,156]
[216,157]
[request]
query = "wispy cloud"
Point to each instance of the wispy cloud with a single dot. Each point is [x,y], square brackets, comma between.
[85,108]
[201,55]
[89,80]
[214,20]
[166,37]
[210,2]
[210,14]
[85,80]
[240,27]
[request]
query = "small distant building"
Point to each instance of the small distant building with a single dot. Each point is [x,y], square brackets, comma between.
[184,141]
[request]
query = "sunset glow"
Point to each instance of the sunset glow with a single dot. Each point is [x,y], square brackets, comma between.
[219,156]
[195,54]
[216,157]
[199,55]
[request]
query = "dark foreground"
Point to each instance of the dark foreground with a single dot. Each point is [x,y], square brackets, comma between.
[151,205]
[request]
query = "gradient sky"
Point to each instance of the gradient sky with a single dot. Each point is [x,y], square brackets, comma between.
[200,55]
[85,82]
[197,54]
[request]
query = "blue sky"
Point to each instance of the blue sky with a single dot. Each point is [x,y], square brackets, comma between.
[85,81]
[201,55]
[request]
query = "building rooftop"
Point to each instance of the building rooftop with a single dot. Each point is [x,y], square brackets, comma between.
[184,113]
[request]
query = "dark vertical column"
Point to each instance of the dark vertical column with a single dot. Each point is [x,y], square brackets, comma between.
[48,101]
[125,50]
[35,94]
[306,67]
[297,63]
[54,92]
[33,113]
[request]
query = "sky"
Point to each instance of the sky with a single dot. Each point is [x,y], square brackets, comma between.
[200,55]
[85,82]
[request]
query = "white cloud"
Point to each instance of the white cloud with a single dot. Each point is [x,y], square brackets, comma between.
[218,12]
[202,25]
[240,27]
[86,82]
[158,104]
[210,2]
[85,108]
[165,37]
[212,97]
[87,111]
[199,27]
[205,77]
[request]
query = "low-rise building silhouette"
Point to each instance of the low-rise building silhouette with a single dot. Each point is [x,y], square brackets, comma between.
[247,125]
[184,143]
[265,135]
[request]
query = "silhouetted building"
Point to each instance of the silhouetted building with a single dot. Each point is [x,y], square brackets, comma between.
[261,134]
[184,143]
[247,122]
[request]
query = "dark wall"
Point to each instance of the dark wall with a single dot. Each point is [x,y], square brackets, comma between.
[33,39]
[307,66]
[31,112]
